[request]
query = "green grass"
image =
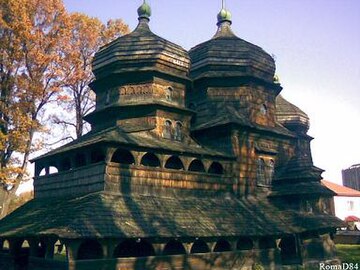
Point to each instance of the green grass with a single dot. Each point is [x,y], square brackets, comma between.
[60,257]
[348,253]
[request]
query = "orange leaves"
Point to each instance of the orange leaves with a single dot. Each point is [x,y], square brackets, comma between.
[31,43]
[114,29]
[87,35]
[63,98]
[45,57]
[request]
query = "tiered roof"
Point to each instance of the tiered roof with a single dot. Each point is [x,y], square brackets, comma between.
[131,216]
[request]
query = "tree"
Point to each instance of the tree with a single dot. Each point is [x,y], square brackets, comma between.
[88,34]
[45,61]
[12,124]
[32,35]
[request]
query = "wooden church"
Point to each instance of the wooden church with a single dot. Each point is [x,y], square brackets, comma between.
[194,161]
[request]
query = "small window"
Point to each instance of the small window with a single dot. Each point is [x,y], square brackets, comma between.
[169,93]
[167,129]
[107,98]
[269,172]
[178,131]
[325,207]
[260,172]
[350,205]
[263,109]
[308,207]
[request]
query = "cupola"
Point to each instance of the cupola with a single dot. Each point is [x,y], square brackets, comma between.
[226,55]
[290,116]
[141,51]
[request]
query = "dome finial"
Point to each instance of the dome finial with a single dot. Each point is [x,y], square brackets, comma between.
[224,15]
[144,11]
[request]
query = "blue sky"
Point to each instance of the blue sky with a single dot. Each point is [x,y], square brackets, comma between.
[316,44]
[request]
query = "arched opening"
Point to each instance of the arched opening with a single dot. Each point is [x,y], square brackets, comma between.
[53,169]
[60,252]
[90,250]
[266,243]
[48,170]
[289,250]
[5,246]
[169,93]
[21,252]
[123,157]
[97,156]
[42,172]
[132,248]
[151,160]
[314,248]
[65,164]
[244,243]
[199,246]
[125,249]
[260,172]
[174,163]
[216,168]
[196,166]
[174,248]
[167,130]
[25,244]
[222,246]
[178,134]
[41,249]
[80,160]
[263,109]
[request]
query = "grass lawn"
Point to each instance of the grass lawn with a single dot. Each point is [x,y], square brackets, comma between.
[348,253]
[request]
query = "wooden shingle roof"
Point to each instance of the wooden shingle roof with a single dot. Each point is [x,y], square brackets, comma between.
[228,55]
[229,115]
[134,138]
[102,215]
[141,50]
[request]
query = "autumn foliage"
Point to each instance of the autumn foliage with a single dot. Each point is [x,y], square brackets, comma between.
[45,63]
[87,35]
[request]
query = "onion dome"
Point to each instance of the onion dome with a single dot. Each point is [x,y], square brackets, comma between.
[144,11]
[291,116]
[228,55]
[141,50]
[224,15]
